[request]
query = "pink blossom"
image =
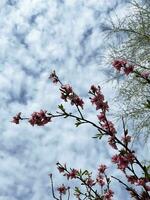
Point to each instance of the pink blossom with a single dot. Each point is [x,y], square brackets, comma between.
[132,179]
[98,98]
[123,160]
[72,174]
[102,117]
[90,182]
[66,90]
[130,157]
[61,169]
[77,101]
[122,163]
[108,195]
[53,77]
[16,118]
[128,70]
[122,65]
[94,89]
[100,181]
[126,139]
[114,159]
[118,64]
[68,94]
[109,126]
[39,118]
[141,181]
[62,189]
[112,142]
[102,168]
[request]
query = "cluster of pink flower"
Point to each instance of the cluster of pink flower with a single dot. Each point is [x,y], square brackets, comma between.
[123,159]
[98,98]
[109,127]
[39,118]
[70,175]
[123,65]
[67,93]
[100,177]
[85,178]
[106,125]
[139,181]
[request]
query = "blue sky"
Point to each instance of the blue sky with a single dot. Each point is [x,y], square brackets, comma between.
[37,36]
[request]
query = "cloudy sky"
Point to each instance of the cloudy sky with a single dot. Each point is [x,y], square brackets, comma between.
[37,36]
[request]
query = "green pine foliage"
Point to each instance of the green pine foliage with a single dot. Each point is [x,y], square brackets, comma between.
[134,92]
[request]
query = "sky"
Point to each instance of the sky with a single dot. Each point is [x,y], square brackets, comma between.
[36,37]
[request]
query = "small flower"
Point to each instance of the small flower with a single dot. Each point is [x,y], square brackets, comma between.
[100,180]
[61,169]
[128,70]
[108,195]
[66,91]
[123,159]
[90,182]
[118,64]
[77,101]
[109,127]
[102,168]
[62,189]
[53,77]
[73,174]
[132,179]
[122,65]
[17,118]
[141,181]
[102,117]
[130,157]
[112,142]
[94,89]
[114,159]
[126,139]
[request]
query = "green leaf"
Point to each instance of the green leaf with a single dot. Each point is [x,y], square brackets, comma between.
[85,172]
[61,107]
[147,169]
[98,136]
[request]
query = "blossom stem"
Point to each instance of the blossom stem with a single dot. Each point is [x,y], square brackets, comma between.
[68,193]
[80,112]
[127,187]
[53,193]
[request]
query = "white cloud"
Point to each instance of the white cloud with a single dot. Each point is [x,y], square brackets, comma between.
[36,37]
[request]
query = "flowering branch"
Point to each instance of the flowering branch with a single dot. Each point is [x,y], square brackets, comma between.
[127,68]
[125,159]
